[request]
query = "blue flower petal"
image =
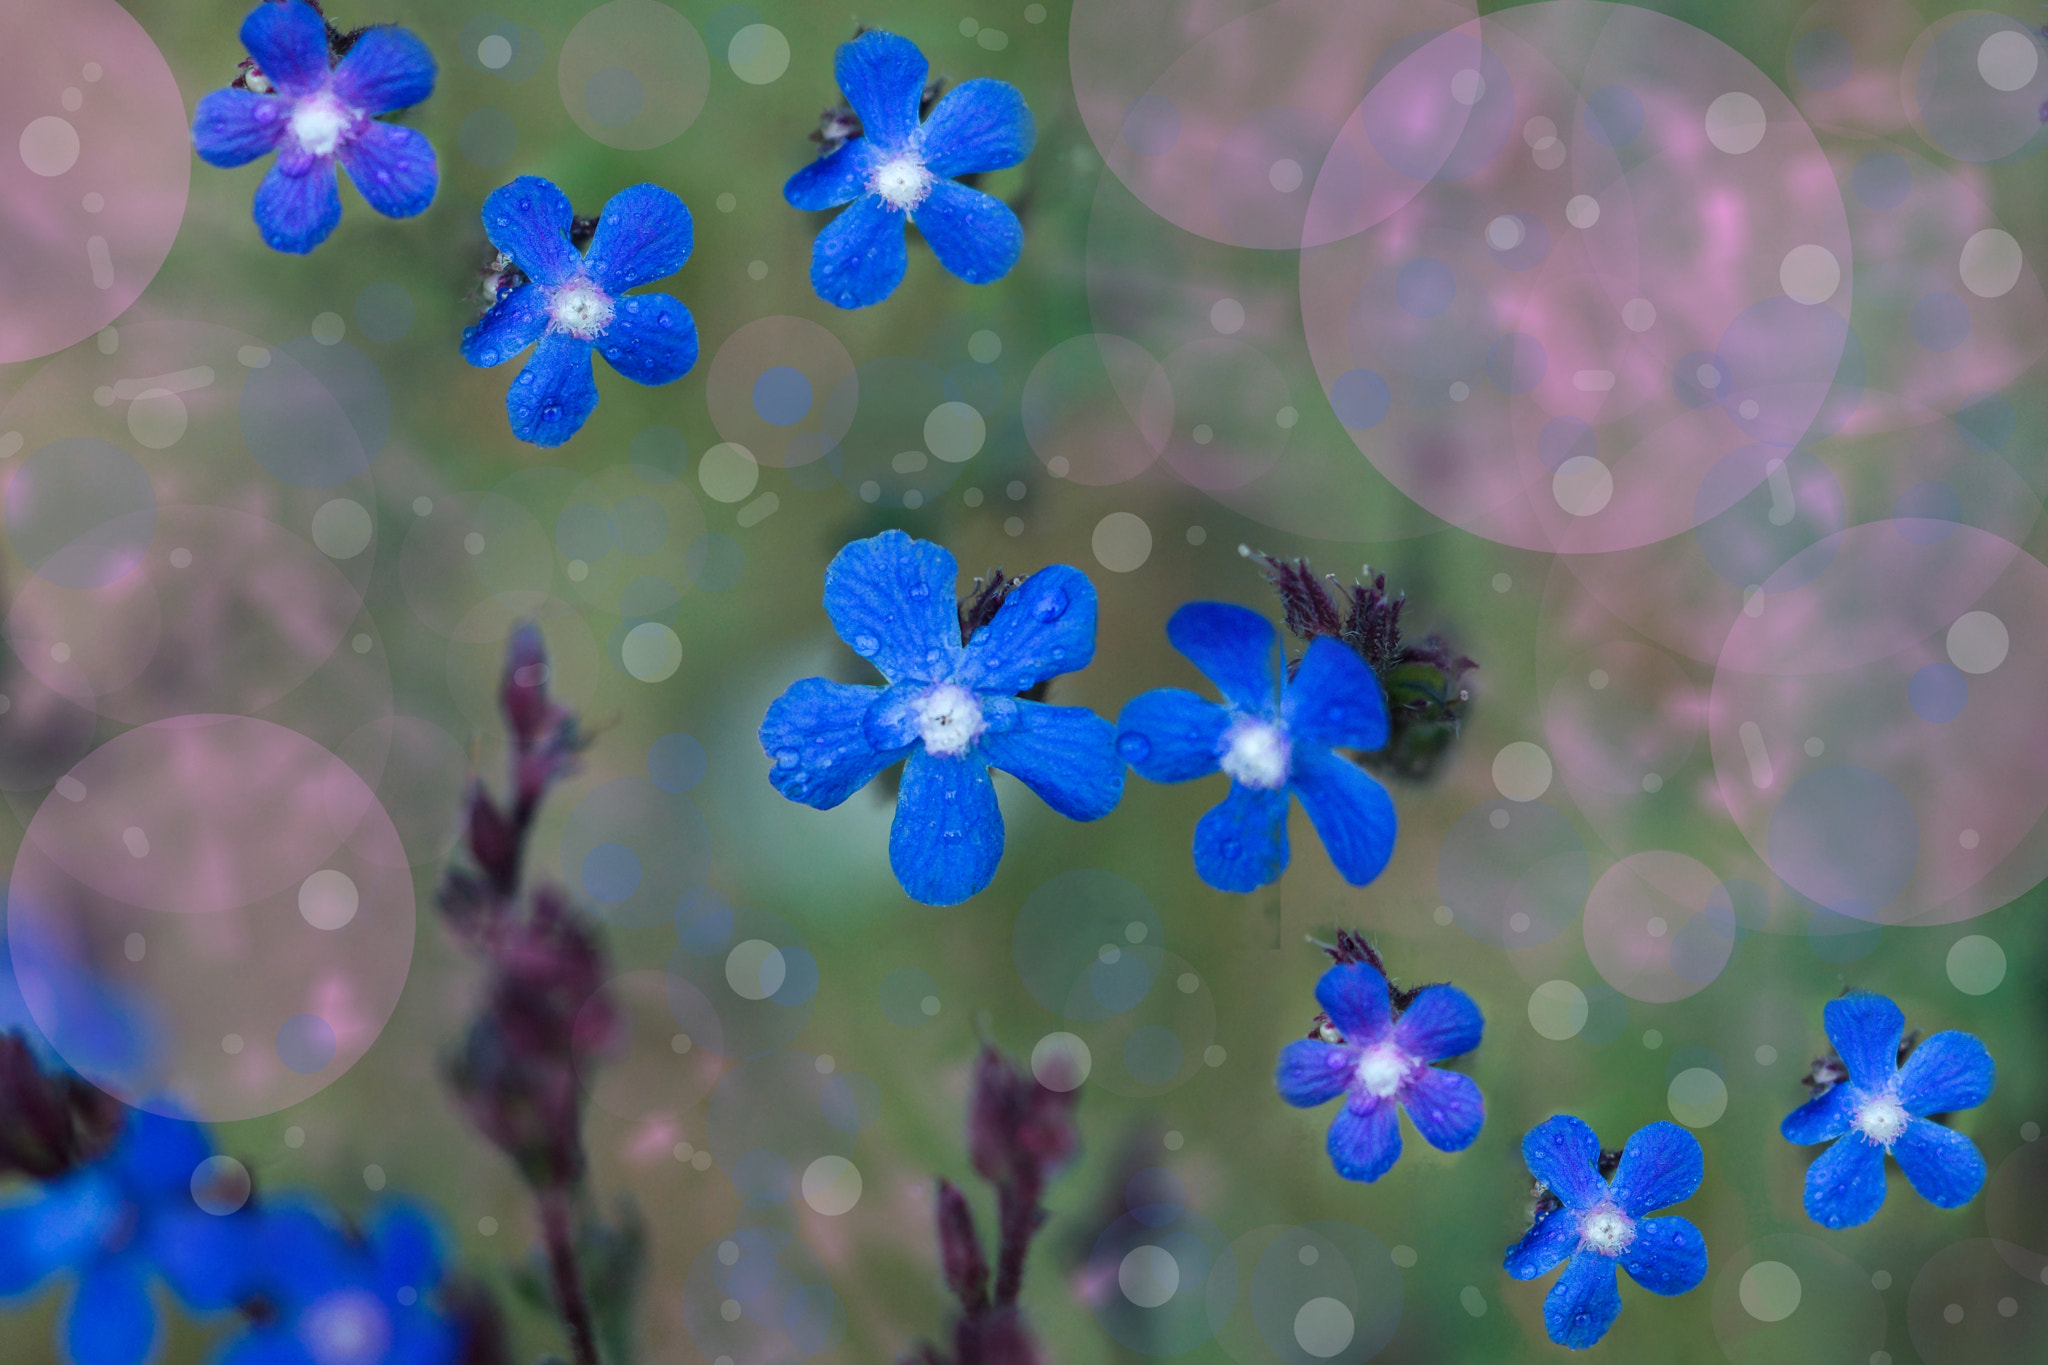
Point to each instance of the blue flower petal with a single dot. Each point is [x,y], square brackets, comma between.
[419,1337]
[529,221]
[517,320]
[301,1252]
[24,1263]
[1543,1246]
[1351,812]
[158,1152]
[1865,1030]
[1661,1164]
[1563,1153]
[234,127]
[1334,699]
[1045,627]
[974,235]
[1583,1303]
[1949,1071]
[1365,1139]
[893,600]
[1944,1166]
[1241,844]
[1823,1118]
[295,213]
[883,78]
[555,392]
[1445,1106]
[1313,1072]
[838,178]
[1845,1185]
[894,719]
[111,1321]
[1668,1256]
[652,339]
[207,1260]
[407,1250]
[272,1345]
[1233,646]
[1065,754]
[387,68]
[393,168]
[860,257]
[643,235]
[289,42]
[1354,995]
[1440,1022]
[948,833]
[814,737]
[1170,734]
[980,125]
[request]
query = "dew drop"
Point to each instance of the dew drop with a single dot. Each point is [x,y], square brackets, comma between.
[866,645]
[1052,606]
[785,758]
[918,593]
[1134,747]
[1231,848]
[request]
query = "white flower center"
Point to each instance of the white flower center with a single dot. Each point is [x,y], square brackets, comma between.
[948,720]
[1607,1230]
[902,183]
[1256,754]
[318,123]
[1882,1120]
[1382,1069]
[345,1328]
[581,309]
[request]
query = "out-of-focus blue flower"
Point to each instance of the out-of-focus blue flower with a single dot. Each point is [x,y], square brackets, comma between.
[1882,1107]
[950,709]
[1268,749]
[574,304]
[1599,1224]
[899,170]
[314,115]
[1378,1062]
[116,1224]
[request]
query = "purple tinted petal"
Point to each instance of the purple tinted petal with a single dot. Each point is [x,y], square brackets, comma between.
[1352,813]
[1661,1164]
[1563,1153]
[1949,1071]
[1445,1106]
[289,41]
[1170,734]
[1583,1303]
[980,125]
[974,235]
[838,178]
[813,736]
[234,127]
[893,600]
[1065,754]
[1045,627]
[643,235]
[1354,995]
[948,834]
[1944,1166]
[1544,1245]
[1823,1118]
[1440,1022]
[1845,1184]
[1233,646]
[652,339]
[516,321]
[1365,1139]
[1334,699]
[883,77]
[529,221]
[860,257]
[393,167]
[1241,844]
[295,213]
[387,68]
[111,1321]
[1865,1030]
[1668,1256]
[1313,1072]
[555,393]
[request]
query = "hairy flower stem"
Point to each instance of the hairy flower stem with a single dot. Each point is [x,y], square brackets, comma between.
[558,1230]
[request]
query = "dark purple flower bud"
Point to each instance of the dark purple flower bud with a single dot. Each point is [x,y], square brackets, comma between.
[960,1249]
[50,1124]
[493,842]
[1017,1129]
[479,1322]
[524,694]
[1000,1338]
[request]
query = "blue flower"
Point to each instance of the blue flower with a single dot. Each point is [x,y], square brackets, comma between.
[898,169]
[1882,1107]
[117,1223]
[1171,735]
[951,710]
[315,116]
[1599,1224]
[1379,1062]
[573,304]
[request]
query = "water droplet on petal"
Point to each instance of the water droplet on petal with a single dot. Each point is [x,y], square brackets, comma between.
[866,645]
[1052,606]
[1134,747]
[1231,848]
[785,758]
[918,593]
